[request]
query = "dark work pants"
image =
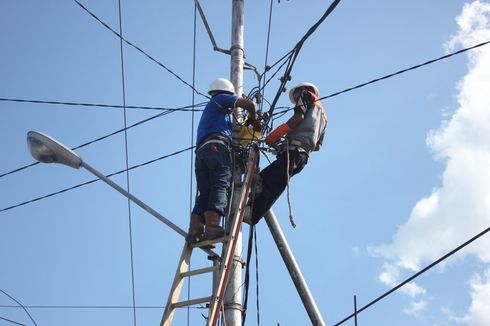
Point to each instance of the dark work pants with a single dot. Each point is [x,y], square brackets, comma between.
[213,177]
[275,179]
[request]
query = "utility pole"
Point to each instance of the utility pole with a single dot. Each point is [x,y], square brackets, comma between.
[233,295]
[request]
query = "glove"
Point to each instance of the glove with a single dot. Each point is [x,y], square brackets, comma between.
[275,135]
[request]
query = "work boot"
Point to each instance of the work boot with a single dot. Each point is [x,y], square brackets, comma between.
[196,229]
[213,229]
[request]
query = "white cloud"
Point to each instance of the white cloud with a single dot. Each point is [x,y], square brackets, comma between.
[478,313]
[460,207]
[415,308]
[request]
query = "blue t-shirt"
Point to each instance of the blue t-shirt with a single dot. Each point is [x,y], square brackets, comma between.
[216,117]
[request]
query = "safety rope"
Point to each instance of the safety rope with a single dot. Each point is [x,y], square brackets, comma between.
[291,217]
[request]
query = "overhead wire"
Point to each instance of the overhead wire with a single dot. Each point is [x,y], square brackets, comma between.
[191,184]
[89,307]
[296,50]
[130,223]
[20,305]
[111,134]
[266,52]
[3,99]
[94,180]
[11,321]
[405,70]
[138,48]
[411,278]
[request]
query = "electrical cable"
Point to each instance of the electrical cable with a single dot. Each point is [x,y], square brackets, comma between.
[94,180]
[295,52]
[257,277]
[247,273]
[90,307]
[191,168]
[3,99]
[109,135]
[405,70]
[20,305]
[266,51]
[11,321]
[411,278]
[130,224]
[138,48]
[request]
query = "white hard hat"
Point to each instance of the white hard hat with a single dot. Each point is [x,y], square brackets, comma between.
[221,84]
[303,84]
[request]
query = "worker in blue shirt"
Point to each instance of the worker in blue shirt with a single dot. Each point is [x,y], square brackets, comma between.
[213,166]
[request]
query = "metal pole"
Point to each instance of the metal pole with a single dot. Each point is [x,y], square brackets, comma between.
[294,270]
[233,296]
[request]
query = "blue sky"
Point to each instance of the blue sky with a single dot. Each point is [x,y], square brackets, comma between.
[402,178]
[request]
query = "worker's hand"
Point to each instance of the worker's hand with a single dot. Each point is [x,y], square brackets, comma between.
[275,135]
[256,125]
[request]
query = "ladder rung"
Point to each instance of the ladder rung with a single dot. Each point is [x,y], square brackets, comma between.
[200,271]
[207,243]
[191,302]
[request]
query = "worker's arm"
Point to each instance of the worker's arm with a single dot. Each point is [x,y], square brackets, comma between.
[285,128]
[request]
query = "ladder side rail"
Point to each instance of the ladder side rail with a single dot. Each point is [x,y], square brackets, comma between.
[230,248]
[176,286]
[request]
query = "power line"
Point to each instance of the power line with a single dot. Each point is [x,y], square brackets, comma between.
[123,87]
[94,180]
[20,305]
[411,278]
[3,99]
[139,49]
[405,70]
[88,307]
[296,50]
[11,321]
[168,111]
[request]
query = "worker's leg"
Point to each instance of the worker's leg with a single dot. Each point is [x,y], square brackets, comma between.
[196,225]
[218,161]
[275,179]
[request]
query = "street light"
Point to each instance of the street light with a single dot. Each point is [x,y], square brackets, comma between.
[46,149]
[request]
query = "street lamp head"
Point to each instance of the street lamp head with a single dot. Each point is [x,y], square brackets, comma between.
[48,150]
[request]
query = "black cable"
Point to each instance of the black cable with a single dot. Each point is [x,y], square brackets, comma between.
[266,52]
[20,305]
[405,70]
[247,273]
[192,142]
[3,99]
[11,321]
[257,277]
[94,180]
[88,307]
[138,48]
[130,223]
[296,50]
[112,134]
[411,278]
